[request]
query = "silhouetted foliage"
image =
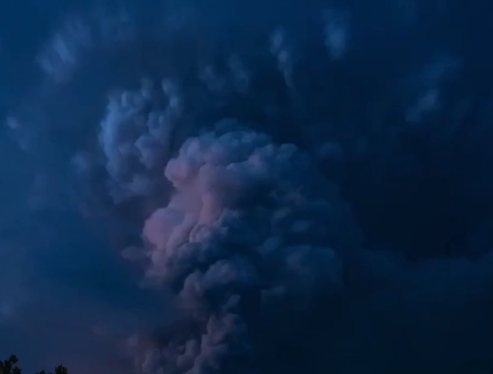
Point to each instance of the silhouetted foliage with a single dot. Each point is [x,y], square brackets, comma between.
[10,367]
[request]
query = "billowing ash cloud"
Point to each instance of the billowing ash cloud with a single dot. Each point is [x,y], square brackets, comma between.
[249,189]
[252,229]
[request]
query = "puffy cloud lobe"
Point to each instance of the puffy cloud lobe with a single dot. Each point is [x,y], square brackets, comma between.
[143,128]
[426,86]
[336,33]
[78,36]
[251,226]
[283,53]
[136,137]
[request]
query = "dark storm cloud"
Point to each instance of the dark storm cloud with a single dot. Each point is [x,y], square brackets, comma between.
[303,190]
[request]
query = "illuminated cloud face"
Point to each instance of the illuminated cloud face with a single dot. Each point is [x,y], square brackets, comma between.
[248,188]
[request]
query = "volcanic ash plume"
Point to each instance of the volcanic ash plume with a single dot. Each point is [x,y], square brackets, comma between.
[251,228]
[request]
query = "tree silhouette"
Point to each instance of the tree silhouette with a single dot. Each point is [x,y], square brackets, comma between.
[10,367]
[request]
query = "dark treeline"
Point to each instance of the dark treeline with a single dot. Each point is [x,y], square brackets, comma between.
[10,367]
